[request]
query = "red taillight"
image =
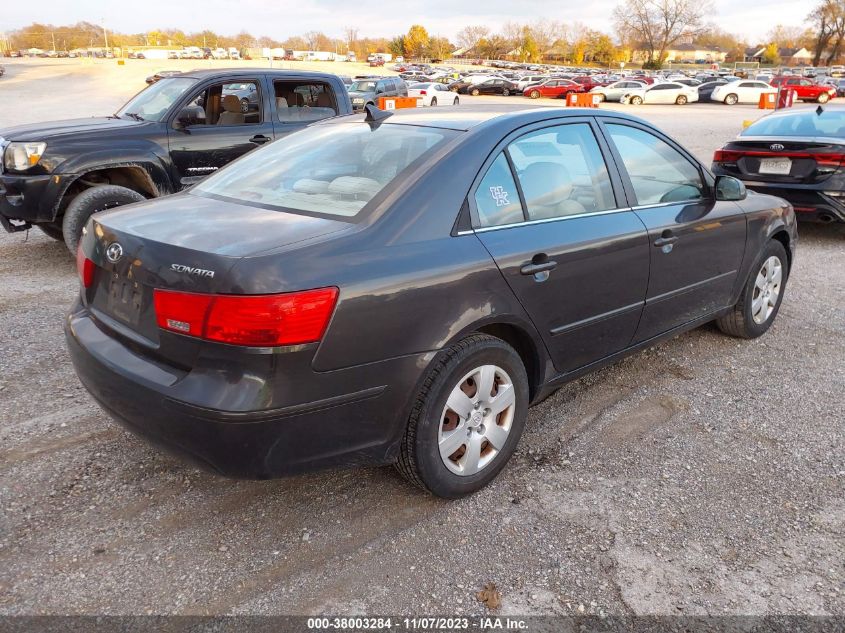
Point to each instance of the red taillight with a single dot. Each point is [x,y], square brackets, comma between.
[423,92]
[292,318]
[725,156]
[85,268]
[826,160]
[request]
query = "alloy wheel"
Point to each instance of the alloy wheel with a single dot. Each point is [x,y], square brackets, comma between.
[767,288]
[476,420]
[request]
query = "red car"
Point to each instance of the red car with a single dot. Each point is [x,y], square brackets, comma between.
[588,83]
[555,88]
[643,79]
[805,89]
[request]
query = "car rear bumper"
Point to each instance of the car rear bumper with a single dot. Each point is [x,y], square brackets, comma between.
[809,204]
[358,420]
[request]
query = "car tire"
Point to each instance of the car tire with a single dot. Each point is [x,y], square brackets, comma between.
[505,92]
[601,97]
[433,101]
[475,92]
[681,100]
[823,98]
[731,99]
[457,101]
[635,100]
[534,94]
[244,106]
[454,371]
[91,201]
[53,230]
[756,309]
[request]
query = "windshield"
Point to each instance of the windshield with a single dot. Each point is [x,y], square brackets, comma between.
[362,86]
[153,103]
[807,123]
[328,170]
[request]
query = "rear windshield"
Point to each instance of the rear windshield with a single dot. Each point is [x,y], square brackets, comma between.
[332,170]
[804,123]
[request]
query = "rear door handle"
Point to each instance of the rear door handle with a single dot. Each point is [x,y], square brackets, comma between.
[260,139]
[663,241]
[533,269]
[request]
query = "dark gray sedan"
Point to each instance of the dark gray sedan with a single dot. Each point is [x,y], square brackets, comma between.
[400,289]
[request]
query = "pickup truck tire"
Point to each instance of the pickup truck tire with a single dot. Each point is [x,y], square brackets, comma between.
[52,229]
[90,201]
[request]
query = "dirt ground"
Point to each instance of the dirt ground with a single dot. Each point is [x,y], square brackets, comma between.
[703,476]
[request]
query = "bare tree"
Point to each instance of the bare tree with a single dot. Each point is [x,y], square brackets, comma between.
[469,36]
[828,21]
[351,33]
[658,24]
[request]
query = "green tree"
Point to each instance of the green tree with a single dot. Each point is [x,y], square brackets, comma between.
[771,55]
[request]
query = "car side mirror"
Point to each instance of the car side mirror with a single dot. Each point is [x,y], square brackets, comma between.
[730,188]
[187,116]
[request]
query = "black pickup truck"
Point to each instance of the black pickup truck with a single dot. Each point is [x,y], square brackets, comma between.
[169,136]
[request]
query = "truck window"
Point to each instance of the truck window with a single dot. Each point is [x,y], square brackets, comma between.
[303,101]
[229,103]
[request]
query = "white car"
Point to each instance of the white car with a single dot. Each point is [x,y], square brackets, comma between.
[744,91]
[433,94]
[523,82]
[617,90]
[666,92]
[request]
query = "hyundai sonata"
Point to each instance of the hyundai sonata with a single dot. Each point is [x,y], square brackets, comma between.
[401,290]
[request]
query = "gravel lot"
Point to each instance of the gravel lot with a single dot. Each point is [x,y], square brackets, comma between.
[704,476]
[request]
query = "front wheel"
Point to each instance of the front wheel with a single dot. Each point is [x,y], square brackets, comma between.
[433,101]
[636,100]
[534,94]
[89,202]
[761,297]
[731,99]
[824,98]
[467,418]
[600,97]
[475,92]
[505,92]
[244,106]
[457,101]
[681,100]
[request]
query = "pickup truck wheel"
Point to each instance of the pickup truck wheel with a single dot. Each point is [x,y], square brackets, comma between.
[467,418]
[52,229]
[90,201]
[761,297]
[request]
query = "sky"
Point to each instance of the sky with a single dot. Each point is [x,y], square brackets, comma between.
[280,19]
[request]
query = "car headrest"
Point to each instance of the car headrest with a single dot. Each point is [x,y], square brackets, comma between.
[231,103]
[546,183]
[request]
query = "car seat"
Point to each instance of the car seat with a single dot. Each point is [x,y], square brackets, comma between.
[231,114]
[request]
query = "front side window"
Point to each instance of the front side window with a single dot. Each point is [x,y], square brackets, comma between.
[226,104]
[658,172]
[497,199]
[332,170]
[562,172]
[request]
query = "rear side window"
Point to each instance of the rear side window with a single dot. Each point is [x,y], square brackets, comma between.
[562,172]
[303,101]
[497,199]
[658,172]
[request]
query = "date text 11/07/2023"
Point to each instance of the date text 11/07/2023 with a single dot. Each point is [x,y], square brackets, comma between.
[359,623]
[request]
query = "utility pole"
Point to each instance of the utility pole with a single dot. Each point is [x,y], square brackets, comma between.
[105,35]
[53,37]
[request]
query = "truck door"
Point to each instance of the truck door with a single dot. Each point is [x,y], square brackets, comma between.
[298,102]
[225,120]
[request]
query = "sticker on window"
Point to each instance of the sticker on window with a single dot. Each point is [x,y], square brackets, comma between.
[500,196]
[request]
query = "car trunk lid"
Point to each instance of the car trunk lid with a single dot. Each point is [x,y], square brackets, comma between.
[784,161]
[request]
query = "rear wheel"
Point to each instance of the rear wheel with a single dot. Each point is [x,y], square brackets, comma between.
[434,101]
[681,100]
[457,101]
[505,92]
[600,97]
[823,98]
[467,419]
[52,229]
[91,201]
[475,92]
[762,295]
[244,106]
[731,99]
[635,100]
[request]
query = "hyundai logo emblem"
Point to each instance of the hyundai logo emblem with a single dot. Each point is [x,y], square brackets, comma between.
[114,252]
[776,147]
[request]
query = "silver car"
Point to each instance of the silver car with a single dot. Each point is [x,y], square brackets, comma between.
[617,90]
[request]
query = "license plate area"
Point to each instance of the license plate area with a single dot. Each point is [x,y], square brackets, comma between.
[775,166]
[124,299]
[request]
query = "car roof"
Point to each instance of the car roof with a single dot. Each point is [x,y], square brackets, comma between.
[465,118]
[202,73]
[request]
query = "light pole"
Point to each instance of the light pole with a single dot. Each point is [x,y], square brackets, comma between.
[105,35]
